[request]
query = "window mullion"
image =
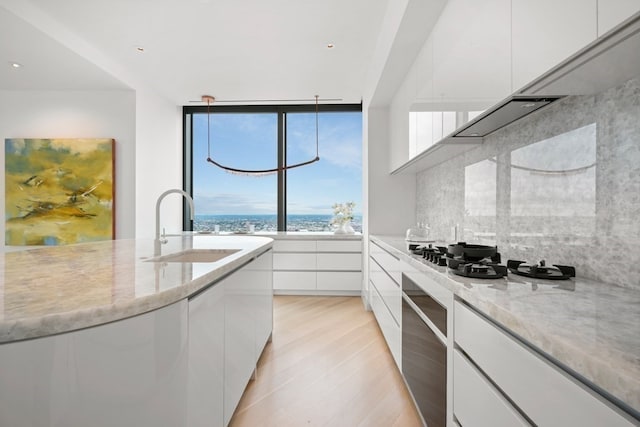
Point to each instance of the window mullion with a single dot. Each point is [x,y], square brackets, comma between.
[282,173]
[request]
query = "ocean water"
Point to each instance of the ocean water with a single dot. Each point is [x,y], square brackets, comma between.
[230,223]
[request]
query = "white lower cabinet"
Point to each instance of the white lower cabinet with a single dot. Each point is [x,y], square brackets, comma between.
[294,261]
[330,266]
[547,395]
[294,280]
[338,280]
[132,372]
[229,326]
[239,352]
[385,276]
[261,273]
[388,325]
[248,322]
[476,401]
[206,357]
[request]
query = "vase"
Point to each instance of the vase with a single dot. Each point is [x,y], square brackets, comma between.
[345,228]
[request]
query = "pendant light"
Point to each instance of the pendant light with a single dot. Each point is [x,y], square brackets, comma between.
[253,172]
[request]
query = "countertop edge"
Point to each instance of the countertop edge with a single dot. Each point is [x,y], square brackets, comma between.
[54,324]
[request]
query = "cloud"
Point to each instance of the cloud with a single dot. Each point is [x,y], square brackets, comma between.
[224,203]
[339,143]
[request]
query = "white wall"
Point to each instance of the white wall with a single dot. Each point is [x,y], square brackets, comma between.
[392,201]
[158,163]
[78,114]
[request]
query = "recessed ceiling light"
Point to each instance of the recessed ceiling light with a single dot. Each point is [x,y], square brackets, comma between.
[15,64]
[529,105]
[330,45]
[140,49]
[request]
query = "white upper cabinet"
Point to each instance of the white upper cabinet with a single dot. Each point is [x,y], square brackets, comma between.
[463,68]
[481,52]
[613,12]
[545,32]
[472,53]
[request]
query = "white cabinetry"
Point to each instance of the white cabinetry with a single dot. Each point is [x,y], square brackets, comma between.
[247,326]
[305,266]
[476,400]
[386,298]
[547,395]
[229,324]
[545,32]
[132,372]
[206,357]
[471,51]
[385,277]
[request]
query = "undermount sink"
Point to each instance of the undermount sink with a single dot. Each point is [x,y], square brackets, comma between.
[195,255]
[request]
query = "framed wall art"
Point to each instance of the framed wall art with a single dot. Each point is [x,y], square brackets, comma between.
[59,191]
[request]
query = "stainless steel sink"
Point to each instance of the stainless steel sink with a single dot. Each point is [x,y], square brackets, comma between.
[195,255]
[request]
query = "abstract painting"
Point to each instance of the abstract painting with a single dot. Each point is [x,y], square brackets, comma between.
[59,191]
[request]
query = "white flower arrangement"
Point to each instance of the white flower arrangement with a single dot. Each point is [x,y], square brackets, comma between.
[342,213]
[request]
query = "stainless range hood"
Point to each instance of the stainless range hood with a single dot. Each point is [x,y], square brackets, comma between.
[500,115]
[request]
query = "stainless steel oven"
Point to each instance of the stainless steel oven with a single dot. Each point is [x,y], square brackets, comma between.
[424,352]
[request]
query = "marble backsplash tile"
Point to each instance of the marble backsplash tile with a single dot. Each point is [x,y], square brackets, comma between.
[561,185]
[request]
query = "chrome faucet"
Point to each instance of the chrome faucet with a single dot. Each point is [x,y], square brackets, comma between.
[158,242]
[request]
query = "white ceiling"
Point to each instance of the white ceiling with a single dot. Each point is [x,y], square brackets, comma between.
[232,49]
[46,64]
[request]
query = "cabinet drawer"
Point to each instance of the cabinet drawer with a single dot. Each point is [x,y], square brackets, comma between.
[327,261]
[294,261]
[294,280]
[339,280]
[476,401]
[294,246]
[548,395]
[390,329]
[389,290]
[438,292]
[339,245]
[388,262]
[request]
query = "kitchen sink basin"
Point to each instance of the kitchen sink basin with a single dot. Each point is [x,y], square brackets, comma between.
[195,255]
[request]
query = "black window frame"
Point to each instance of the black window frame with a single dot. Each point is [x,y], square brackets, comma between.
[281,110]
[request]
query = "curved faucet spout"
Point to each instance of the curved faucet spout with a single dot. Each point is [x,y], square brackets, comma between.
[158,242]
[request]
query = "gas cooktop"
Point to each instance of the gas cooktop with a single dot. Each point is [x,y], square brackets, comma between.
[541,270]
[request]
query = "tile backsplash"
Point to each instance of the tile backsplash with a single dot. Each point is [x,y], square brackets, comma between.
[561,185]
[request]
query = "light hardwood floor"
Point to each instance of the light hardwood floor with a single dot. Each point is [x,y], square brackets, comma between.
[327,365]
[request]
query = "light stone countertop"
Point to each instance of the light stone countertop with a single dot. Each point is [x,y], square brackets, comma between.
[287,235]
[589,327]
[309,235]
[59,289]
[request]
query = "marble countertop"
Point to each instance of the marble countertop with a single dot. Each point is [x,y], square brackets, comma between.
[589,327]
[310,235]
[292,235]
[53,290]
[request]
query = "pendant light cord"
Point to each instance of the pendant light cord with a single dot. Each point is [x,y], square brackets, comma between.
[317,153]
[208,130]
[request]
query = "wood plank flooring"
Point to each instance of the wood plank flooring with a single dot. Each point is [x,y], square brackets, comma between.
[327,365]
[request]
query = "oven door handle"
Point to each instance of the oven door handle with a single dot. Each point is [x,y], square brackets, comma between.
[441,337]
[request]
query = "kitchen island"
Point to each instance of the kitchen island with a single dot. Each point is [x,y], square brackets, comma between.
[587,329]
[106,333]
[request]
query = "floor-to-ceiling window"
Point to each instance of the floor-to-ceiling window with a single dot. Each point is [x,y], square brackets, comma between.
[268,137]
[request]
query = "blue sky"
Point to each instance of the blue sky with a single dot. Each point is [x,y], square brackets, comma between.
[249,141]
